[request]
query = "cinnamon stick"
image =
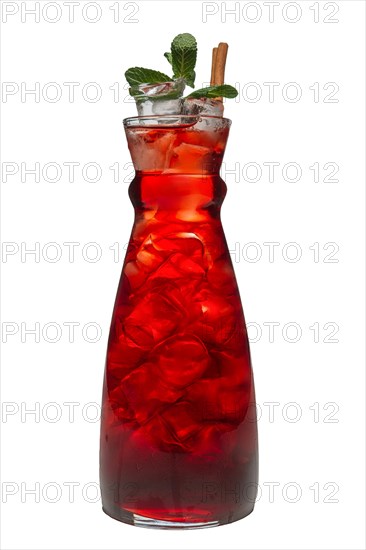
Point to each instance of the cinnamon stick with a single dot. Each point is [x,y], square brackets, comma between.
[213,66]
[220,63]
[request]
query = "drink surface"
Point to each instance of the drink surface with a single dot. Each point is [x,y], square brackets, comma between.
[178,439]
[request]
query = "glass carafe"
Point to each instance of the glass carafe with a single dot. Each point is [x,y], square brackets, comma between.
[179,433]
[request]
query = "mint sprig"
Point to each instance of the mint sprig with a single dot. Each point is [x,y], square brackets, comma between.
[183,57]
[225,90]
[140,75]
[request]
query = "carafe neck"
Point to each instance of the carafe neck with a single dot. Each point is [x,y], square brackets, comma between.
[176,144]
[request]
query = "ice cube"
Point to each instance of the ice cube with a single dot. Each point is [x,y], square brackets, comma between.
[203,106]
[141,335]
[160,89]
[145,108]
[217,400]
[147,392]
[135,275]
[167,106]
[150,149]
[153,319]
[182,359]
[149,256]
[123,356]
[182,420]
[190,157]
[159,99]
[159,107]
[178,266]
[189,244]
[216,324]
[120,405]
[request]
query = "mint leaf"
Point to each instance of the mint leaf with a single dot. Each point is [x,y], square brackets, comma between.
[184,56]
[225,90]
[190,79]
[168,55]
[140,75]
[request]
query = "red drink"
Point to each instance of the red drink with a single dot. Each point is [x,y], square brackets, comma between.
[179,434]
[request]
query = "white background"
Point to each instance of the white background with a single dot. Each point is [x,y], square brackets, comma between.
[313,379]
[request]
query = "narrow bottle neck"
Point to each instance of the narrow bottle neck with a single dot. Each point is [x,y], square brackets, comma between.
[183,196]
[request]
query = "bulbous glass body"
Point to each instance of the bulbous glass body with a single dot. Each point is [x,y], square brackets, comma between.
[179,433]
